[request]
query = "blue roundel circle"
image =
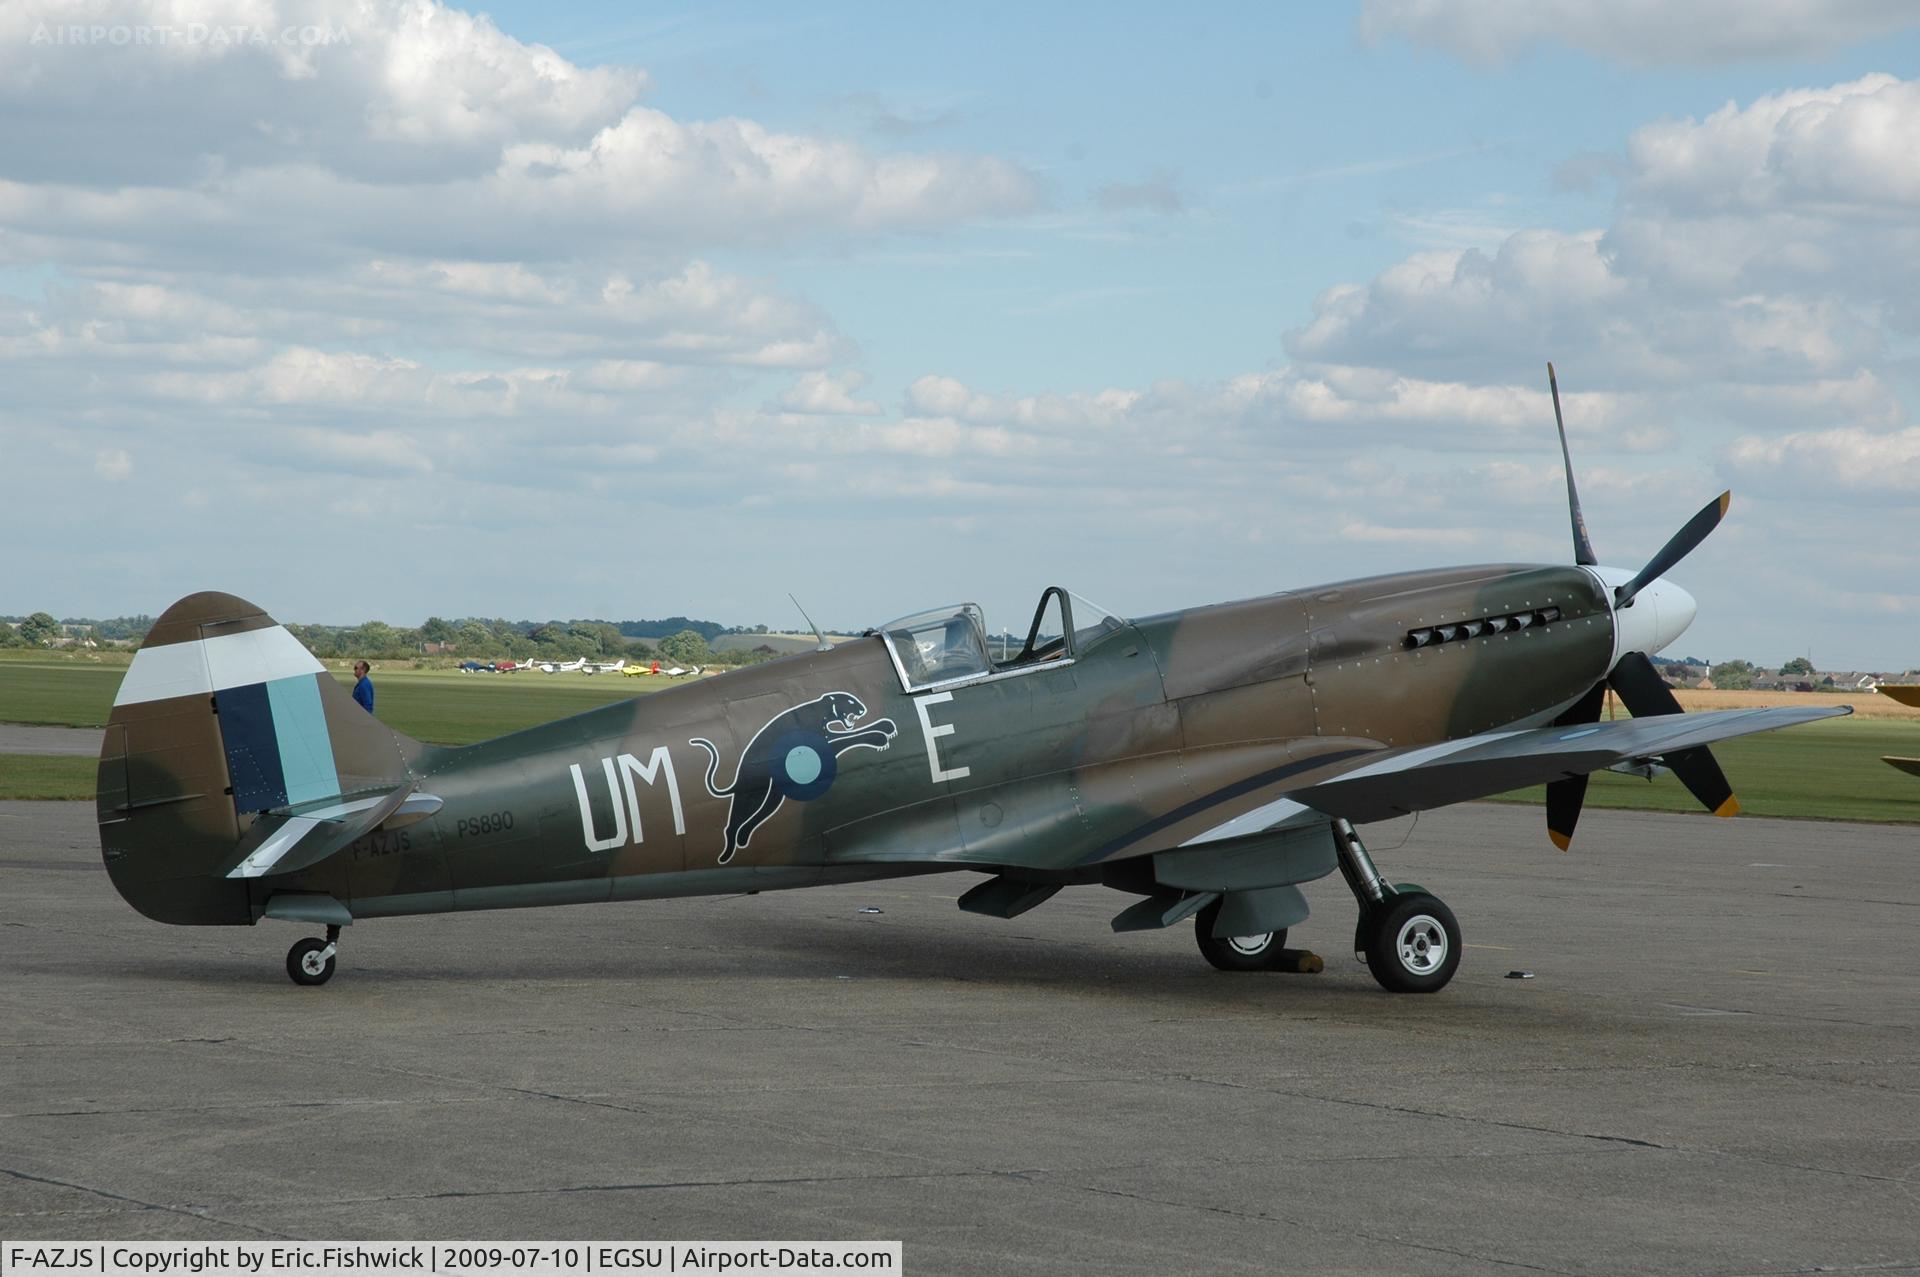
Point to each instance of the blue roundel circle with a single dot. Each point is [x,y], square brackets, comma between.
[803,764]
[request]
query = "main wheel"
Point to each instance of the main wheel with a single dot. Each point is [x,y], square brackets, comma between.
[305,964]
[1413,944]
[1259,952]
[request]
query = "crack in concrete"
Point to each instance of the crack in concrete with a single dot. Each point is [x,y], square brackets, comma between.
[458,1194]
[245,1106]
[586,1100]
[1309,1226]
[1384,1107]
[1892,1266]
[187,1211]
[1630,1141]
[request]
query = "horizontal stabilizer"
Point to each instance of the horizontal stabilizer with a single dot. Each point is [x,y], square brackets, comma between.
[1423,777]
[291,839]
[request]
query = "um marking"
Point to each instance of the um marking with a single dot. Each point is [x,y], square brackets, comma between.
[621,772]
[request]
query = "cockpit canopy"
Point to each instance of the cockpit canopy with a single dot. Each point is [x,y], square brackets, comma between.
[951,644]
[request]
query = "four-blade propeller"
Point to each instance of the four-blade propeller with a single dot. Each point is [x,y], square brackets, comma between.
[1633,677]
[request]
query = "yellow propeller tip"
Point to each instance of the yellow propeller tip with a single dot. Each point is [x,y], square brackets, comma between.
[1731,807]
[1726,499]
[1560,840]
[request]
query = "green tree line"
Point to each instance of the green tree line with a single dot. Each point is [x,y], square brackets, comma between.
[466,638]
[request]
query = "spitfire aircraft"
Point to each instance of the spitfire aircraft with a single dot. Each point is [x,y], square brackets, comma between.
[1205,762]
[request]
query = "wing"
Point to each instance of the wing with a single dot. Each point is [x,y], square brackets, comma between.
[1398,782]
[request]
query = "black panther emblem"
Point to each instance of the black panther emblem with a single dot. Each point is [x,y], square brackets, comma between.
[796,755]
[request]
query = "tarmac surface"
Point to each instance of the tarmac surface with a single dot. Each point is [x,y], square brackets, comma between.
[17,738]
[1715,1070]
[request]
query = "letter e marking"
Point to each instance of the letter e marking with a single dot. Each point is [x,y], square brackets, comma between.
[921,705]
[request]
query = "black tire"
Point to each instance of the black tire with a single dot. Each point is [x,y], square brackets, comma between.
[1413,944]
[1239,953]
[303,964]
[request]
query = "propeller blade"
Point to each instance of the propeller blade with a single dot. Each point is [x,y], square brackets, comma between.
[1677,549]
[1582,547]
[1642,690]
[1646,695]
[1564,800]
[1566,796]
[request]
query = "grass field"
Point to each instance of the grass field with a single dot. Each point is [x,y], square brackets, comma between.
[442,706]
[56,692]
[450,708]
[1826,771]
[1830,770]
[46,776]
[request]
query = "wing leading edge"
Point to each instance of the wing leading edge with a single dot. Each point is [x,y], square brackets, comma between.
[1399,782]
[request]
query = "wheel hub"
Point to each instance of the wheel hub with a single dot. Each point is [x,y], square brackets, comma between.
[1250,946]
[1421,944]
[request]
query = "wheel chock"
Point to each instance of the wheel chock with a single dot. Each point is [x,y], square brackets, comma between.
[1301,962]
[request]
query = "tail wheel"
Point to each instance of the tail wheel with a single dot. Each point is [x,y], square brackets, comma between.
[1413,943]
[311,961]
[1261,952]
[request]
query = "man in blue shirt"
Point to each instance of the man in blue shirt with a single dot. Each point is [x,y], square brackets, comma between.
[363,688]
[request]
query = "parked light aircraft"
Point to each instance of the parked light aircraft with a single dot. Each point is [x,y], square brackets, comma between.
[676,671]
[1206,762]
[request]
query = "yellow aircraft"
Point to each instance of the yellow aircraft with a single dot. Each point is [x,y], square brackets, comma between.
[636,670]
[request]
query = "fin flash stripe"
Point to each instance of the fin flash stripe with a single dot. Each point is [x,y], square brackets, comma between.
[203,666]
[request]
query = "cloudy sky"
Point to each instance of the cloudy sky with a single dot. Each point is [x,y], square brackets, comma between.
[366,309]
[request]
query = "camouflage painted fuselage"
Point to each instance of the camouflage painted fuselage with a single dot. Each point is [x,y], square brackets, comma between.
[823,767]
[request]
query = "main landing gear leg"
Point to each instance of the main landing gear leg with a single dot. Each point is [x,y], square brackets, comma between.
[1407,938]
[310,961]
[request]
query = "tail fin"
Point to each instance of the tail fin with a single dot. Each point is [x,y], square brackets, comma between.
[222,716]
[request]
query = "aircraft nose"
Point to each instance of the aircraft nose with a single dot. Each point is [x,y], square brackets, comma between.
[1676,610]
[1659,614]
